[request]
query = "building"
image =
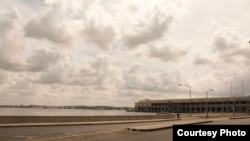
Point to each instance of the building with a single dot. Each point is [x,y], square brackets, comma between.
[197,105]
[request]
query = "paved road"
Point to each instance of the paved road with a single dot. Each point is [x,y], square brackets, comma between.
[24,133]
[94,132]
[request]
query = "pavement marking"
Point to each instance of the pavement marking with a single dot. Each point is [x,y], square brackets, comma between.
[26,137]
[30,138]
[68,133]
[73,135]
[20,136]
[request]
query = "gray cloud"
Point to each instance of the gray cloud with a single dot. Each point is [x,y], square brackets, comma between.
[155,31]
[12,66]
[100,36]
[134,69]
[32,3]
[166,54]
[51,77]
[163,81]
[244,52]
[221,43]
[99,74]
[94,75]
[237,55]
[42,60]
[2,77]
[225,38]
[202,61]
[39,61]
[230,47]
[49,26]
[101,67]
[7,21]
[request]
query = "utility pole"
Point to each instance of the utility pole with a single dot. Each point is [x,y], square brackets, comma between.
[242,87]
[207,103]
[190,108]
[231,90]
[232,99]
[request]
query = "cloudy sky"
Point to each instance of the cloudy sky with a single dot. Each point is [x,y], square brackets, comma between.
[117,52]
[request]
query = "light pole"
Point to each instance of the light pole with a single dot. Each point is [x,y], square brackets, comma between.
[207,102]
[190,96]
[248,108]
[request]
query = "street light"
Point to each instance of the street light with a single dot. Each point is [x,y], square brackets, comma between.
[207,102]
[190,96]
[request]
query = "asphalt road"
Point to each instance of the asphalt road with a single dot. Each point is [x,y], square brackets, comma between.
[28,133]
[113,132]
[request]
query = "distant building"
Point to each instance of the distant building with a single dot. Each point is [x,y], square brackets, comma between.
[197,105]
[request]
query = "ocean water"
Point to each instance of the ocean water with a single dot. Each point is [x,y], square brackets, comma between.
[63,112]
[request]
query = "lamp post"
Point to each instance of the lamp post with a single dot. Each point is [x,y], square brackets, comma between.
[207,102]
[190,96]
[248,107]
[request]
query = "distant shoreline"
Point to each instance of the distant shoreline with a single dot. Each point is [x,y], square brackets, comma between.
[35,111]
[68,107]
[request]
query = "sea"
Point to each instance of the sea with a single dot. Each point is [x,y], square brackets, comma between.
[64,112]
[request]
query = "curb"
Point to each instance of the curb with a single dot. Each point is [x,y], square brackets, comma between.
[199,122]
[166,127]
[241,117]
[80,123]
[150,129]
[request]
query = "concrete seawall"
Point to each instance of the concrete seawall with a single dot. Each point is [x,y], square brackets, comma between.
[43,119]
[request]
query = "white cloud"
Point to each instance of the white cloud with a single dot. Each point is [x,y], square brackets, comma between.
[149,22]
[11,43]
[14,53]
[95,75]
[147,34]
[7,21]
[120,51]
[229,45]
[98,28]
[50,25]
[225,38]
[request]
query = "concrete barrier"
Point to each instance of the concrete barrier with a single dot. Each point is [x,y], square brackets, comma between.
[43,119]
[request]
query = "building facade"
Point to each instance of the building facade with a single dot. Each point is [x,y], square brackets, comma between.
[197,105]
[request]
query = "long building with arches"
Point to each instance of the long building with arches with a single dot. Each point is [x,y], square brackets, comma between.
[195,105]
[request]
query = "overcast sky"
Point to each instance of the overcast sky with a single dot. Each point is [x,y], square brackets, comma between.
[117,52]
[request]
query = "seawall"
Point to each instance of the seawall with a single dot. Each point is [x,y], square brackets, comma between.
[43,119]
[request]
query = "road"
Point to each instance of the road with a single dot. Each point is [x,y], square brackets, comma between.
[24,133]
[114,132]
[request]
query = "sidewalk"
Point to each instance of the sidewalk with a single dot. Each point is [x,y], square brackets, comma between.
[168,124]
[183,121]
[82,123]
